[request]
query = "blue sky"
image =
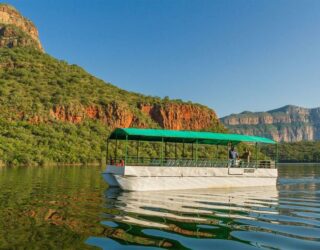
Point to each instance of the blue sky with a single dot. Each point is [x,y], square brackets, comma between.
[229,55]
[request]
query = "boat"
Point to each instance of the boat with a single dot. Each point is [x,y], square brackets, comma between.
[187,169]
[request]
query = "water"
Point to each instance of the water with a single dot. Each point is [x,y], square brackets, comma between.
[71,208]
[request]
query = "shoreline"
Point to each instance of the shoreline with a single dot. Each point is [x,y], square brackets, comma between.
[102,164]
[299,163]
[53,165]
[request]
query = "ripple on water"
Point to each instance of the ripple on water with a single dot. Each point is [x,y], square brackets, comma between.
[282,217]
[271,240]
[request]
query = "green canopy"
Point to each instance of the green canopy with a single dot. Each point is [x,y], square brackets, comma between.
[181,136]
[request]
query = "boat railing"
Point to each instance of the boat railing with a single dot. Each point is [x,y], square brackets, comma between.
[171,162]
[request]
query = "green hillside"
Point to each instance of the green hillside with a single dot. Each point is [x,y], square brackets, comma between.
[30,83]
[33,83]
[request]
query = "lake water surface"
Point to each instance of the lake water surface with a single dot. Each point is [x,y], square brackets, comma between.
[72,208]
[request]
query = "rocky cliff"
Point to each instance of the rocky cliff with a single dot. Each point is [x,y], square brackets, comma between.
[16,30]
[289,123]
[179,116]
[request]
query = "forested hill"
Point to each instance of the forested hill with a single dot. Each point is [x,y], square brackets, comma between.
[288,124]
[55,112]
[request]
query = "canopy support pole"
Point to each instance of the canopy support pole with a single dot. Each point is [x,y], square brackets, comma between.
[183,155]
[197,151]
[256,153]
[217,152]
[192,151]
[175,150]
[277,153]
[165,150]
[116,151]
[228,149]
[162,151]
[126,156]
[138,144]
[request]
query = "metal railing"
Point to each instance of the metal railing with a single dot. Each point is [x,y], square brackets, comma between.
[171,162]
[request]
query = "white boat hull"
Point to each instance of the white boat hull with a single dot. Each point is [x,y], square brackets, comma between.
[179,183]
[150,178]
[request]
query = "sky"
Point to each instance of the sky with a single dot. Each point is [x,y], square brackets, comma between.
[231,55]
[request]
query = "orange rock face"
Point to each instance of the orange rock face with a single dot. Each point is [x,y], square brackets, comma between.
[180,116]
[170,116]
[65,114]
[112,115]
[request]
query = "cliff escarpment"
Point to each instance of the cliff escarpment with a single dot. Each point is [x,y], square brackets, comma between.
[179,116]
[288,124]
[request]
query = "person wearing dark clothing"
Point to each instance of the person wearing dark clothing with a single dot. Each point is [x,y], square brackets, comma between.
[233,156]
[246,155]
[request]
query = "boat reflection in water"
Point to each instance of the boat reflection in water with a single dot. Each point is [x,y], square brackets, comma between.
[185,219]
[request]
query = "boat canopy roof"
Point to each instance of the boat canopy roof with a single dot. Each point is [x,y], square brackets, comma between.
[181,136]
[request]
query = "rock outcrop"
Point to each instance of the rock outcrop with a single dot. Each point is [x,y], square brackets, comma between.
[112,115]
[179,116]
[16,30]
[288,124]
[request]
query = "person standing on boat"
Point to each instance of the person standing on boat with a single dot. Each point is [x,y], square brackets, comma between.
[233,156]
[246,156]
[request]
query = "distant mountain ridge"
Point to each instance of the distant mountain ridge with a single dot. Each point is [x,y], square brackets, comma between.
[289,123]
